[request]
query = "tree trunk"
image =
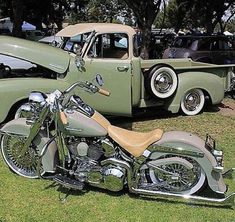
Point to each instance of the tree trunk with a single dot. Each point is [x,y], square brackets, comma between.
[146,40]
[209,27]
[145,12]
[17,8]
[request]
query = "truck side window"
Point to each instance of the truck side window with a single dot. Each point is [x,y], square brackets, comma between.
[110,46]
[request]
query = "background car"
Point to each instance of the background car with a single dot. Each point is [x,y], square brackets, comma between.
[33,35]
[209,49]
[51,40]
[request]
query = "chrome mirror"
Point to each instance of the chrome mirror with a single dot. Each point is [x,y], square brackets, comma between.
[99,79]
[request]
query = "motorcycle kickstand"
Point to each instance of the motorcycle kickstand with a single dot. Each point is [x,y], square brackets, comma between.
[230,173]
[63,198]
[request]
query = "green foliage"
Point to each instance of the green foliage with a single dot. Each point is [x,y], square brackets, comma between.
[145,12]
[198,13]
[231,26]
[103,11]
[37,200]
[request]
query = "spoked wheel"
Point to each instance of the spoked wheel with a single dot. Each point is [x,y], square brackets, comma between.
[23,165]
[178,178]
[193,102]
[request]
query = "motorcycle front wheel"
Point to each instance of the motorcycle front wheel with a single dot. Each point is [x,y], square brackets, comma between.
[23,165]
[176,178]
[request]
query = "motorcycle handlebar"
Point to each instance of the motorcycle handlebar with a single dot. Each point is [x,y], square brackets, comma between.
[92,88]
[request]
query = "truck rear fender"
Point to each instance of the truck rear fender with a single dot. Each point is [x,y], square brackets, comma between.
[211,84]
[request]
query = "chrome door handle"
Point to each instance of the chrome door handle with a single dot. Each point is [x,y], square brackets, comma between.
[122,68]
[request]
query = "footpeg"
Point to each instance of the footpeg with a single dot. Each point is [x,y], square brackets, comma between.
[68,182]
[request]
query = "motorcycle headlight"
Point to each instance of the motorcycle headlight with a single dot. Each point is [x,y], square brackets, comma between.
[37,98]
[36,101]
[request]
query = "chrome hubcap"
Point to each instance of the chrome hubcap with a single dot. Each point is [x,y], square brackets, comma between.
[163,82]
[191,101]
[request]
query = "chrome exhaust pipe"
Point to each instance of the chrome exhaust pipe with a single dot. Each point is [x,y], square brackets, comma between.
[226,201]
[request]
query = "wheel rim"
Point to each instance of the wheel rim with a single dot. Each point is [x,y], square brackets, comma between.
[25,165]
[192,101]
[182,180]
[163,82]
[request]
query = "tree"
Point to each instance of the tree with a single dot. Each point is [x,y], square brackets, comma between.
[17,16]
[198,13]
[229,18]
[210,12]
[173,15]
[33,11]
[145,12]
[101,11]
[231,26]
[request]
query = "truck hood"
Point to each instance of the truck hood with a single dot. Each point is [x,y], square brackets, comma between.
[44,55]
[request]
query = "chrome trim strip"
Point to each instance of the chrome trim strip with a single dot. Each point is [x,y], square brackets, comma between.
[72,129]
[56,66]
[175,150]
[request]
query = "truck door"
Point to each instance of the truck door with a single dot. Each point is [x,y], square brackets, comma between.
[108,57]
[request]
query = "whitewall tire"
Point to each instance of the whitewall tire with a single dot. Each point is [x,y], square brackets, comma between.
[192,102]
[161,82]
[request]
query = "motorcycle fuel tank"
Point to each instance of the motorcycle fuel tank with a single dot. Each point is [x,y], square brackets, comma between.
[82,125]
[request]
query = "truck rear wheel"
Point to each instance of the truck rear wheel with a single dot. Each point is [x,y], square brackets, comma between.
[161,81]
[192,102]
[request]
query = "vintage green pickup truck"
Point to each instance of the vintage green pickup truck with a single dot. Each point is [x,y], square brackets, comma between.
[109,52]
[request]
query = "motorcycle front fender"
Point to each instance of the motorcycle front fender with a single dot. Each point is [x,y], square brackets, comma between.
[188,145]
[19,127]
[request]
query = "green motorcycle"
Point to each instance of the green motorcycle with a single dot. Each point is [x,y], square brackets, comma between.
[66,140]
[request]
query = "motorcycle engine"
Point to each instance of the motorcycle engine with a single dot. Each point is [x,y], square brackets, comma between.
[87,166]
[114,177]
[84,148]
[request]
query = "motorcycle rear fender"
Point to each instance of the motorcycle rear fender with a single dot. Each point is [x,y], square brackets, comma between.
[186,141]
[19,127]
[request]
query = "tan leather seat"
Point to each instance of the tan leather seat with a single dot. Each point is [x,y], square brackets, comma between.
[134,142]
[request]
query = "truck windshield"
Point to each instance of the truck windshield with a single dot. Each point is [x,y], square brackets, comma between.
[71,44]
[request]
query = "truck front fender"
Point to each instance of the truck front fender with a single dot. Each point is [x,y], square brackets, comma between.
[13,91]
[210,83]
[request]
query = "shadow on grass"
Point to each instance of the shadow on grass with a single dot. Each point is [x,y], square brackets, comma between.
[64,193]
[141,116]
[206,192]
[179,201]
[154,114]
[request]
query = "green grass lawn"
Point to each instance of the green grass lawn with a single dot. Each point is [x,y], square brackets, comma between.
[37,200]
